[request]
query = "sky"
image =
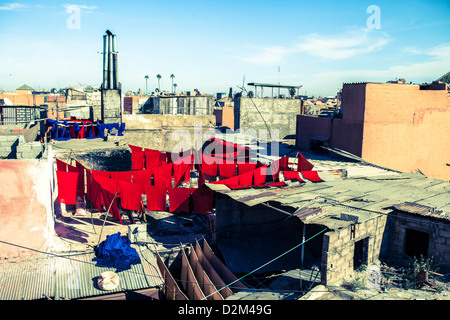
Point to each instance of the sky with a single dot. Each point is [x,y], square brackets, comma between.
[213,46]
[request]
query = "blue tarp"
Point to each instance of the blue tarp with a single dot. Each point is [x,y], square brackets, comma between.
[116,252]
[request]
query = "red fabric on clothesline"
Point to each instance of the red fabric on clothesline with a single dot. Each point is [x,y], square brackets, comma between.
[131,195]
[152,158]
[203,200]
[108,188]
[291,175]
[303,164]
[179,199]
[60,165]
[121,175]
[101,173]
[244,167]
[181,172]
[137,157]
[246,179]
[163,175]
[67,186]
[233,181]
[142,176]
[311,176]
[209,166]
[156,198]
[259,175]
[227,170]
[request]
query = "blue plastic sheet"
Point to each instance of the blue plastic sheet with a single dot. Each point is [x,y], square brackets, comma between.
[116,252]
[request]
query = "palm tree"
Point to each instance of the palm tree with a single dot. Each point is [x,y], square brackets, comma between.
[146,78]
[172,76]
[158,76]
[175,87]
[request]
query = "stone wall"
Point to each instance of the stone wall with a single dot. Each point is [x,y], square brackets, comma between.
[339,248]
[438,230]
[166,132]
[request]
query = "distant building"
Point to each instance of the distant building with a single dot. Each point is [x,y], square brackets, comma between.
[399,126]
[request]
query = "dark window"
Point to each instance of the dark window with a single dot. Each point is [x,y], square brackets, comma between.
[416,243]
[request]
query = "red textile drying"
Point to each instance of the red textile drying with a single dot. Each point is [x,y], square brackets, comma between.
[246,179]
[108,188]
[121,175]
[152,158]
[142,176]
[233,181]
[60,165]
[227,170]
[181,172]
[303,164]
[244,167]
[101,173]
[137,158]
[67,186]
[201,178]
[291,175]
[259,175]
[277,184]
[312,176]
[131,195]
[284,163]
[80,181]
[156,198]
[209,166]
[163,175]
[202,200]
[94,192]
[179,199]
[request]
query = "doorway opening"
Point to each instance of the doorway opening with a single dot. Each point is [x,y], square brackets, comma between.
[416,243]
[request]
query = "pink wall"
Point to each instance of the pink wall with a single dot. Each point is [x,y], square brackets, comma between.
[308,127]
[406,129]
[25,206]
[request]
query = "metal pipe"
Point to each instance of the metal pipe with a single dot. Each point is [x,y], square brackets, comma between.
[110,63]
[115,64]
[105,61]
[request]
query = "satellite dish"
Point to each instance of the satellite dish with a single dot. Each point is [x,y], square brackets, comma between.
[7,102]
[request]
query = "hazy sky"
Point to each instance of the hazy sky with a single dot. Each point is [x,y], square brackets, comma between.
[212,45]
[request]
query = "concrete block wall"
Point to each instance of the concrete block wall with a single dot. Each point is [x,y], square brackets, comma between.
[278,114]
[8,146]
[439,235]
[339,248]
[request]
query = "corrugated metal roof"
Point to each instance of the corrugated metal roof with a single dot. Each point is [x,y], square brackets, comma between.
[361,195]
[71,277]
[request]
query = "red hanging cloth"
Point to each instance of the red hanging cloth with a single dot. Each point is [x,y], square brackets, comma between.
[137,158]
[311,176]
[142,176]
[181,172]
[163,175]
[131,195]
[60,165]
[209,166]
[179,199]
[303,164]
[156,198]
[202,200]
[291,175]
[259,175]
[233,181]
[122,175]
[244,167]
[246,179]
[152,158]
[108,188]
[227,170]
[67,186]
